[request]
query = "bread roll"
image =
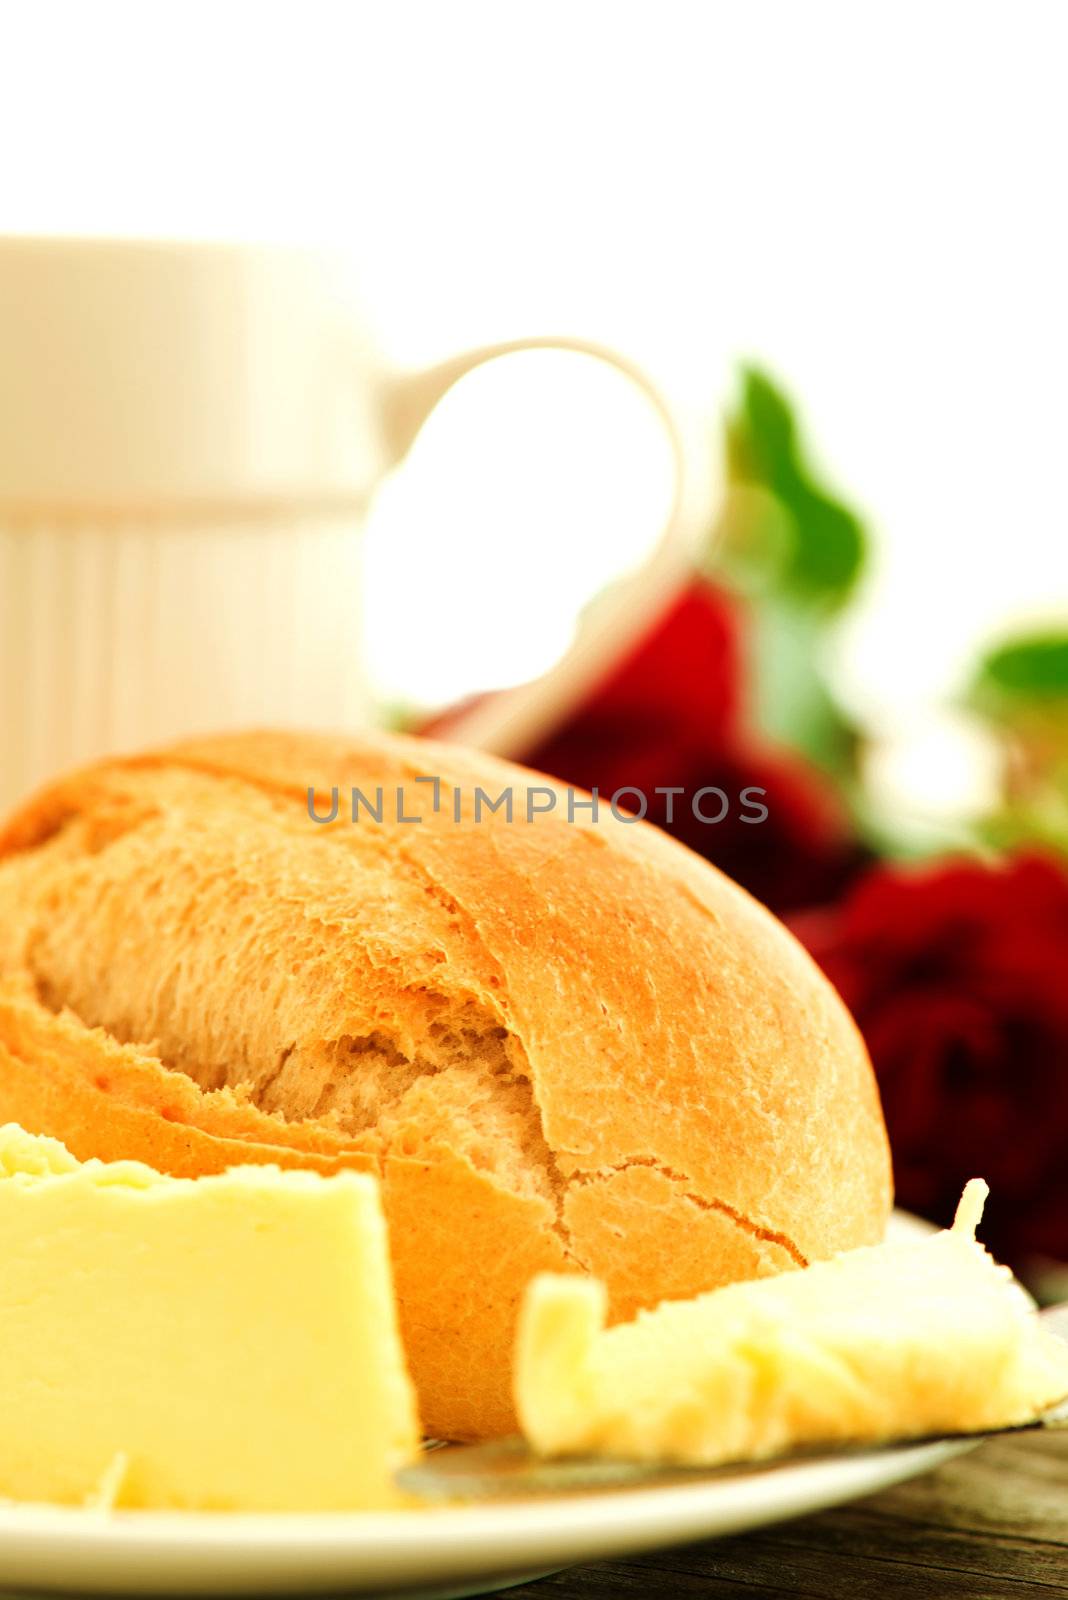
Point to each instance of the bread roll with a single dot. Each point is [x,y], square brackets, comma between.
[564,1045]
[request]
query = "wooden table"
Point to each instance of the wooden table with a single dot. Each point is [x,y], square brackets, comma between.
[991,1525]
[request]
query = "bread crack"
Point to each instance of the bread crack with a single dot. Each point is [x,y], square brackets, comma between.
[702,1202]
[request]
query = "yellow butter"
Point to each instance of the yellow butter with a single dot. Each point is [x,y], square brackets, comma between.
[892,1341]
[223,1342]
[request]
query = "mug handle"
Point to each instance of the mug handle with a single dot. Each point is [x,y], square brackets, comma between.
[511,721]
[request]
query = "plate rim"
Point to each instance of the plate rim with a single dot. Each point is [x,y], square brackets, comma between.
[199,1551]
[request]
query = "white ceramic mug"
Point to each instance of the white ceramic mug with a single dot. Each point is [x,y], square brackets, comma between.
[189,437]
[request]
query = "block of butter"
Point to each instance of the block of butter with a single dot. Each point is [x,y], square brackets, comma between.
[887,1342]
[224,1342]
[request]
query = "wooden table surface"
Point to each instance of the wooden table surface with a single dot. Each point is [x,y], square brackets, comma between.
[991,1525]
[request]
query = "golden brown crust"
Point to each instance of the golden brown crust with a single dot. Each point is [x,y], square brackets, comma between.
[562,1044]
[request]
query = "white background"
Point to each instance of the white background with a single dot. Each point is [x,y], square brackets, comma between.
[870,199]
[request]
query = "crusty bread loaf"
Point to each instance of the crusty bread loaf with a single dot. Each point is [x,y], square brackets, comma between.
[564,1045]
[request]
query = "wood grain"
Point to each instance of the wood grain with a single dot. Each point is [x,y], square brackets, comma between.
[991,1525]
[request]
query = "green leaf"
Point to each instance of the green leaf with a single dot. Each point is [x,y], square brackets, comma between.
[795,551]
[822,553]
[762,434]
[1032,669]
[829,550]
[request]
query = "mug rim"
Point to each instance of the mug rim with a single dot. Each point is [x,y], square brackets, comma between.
[153,372]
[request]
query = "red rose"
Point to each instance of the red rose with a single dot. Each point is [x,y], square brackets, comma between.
[671,715]
[958,978]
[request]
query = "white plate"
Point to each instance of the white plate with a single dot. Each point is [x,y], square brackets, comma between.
[443,1550]
[448,1551]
